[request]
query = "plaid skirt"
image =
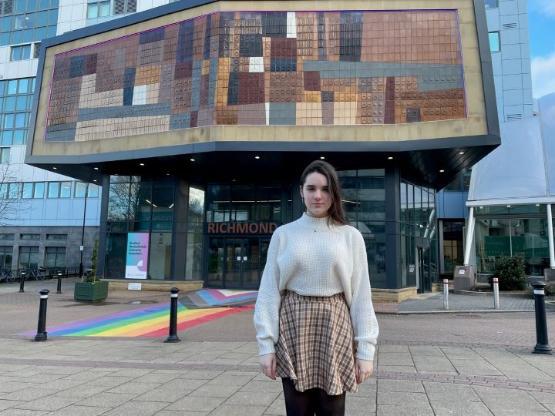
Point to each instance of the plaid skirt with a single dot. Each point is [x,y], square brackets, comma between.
[315,347]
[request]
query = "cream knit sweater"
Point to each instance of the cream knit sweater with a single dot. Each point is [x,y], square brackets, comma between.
[311,258]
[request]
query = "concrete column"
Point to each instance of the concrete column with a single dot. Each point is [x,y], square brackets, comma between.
[103,231]
[392,228]
[179,233]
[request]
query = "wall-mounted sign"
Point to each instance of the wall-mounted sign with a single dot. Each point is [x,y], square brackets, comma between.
[241,227]
[136,265]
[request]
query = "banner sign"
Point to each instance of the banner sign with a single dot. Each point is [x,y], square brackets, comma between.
[136,264]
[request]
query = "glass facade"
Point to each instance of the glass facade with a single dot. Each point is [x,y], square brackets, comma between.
[16,98]
[29,21]
[506,231]
[220,232]
[418,238]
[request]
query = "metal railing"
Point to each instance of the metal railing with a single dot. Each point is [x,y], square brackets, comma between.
[37,273]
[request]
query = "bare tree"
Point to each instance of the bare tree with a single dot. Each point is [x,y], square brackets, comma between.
[10,202]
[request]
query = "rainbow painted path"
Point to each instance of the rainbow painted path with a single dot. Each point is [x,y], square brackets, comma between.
[152,321]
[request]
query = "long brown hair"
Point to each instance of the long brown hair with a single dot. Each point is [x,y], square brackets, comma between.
[336,211]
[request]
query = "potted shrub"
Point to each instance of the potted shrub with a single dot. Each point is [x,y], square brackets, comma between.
[90,288]
[511,273]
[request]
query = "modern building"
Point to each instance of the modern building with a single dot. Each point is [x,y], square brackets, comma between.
[507,22]
[197,118]
[511,194]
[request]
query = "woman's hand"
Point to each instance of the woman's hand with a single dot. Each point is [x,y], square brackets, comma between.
[268,365]
[363,369]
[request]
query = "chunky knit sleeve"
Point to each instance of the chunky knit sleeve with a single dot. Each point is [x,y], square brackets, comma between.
[266,312]
[364,320]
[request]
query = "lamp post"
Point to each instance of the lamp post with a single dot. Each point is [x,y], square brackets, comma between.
[82,246]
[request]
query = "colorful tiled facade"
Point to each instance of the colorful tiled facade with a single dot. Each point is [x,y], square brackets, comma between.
[262,68]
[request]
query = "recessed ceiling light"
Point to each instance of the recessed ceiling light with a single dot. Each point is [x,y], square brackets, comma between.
[461,153]
[167,173]
[441,170]
[54,168]
[322,157]
[94,180]
[95,168]
[508,206]
[537,205]
[141,164]
[192,159]
[257,157]
[390,158]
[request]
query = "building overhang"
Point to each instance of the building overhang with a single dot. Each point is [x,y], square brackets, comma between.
[431,151]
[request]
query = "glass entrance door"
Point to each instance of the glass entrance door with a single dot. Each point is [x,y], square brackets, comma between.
[236,263]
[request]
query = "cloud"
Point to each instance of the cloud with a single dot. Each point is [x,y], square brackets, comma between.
[546,7]
[543,75]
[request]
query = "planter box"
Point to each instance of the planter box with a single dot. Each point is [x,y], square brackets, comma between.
[91,292]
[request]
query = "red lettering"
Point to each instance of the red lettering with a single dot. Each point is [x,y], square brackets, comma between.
[223,228]
[242,228]
[231,228]
[264,228]
[253,228]
[211,228]
[273,227]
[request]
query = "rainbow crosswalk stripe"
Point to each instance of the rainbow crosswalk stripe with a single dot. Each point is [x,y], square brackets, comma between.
[150,322]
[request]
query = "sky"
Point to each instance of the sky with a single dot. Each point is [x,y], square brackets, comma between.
[541,24]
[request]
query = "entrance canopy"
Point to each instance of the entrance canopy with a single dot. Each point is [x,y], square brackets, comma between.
[522,169]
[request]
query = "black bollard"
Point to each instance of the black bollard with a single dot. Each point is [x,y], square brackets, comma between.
[22,282]
[542,342]
[41,330]
[59,287]
[173,316]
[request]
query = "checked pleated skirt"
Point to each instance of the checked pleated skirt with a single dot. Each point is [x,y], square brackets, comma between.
[315,346]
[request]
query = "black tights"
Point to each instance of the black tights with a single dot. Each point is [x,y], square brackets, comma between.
[310,402]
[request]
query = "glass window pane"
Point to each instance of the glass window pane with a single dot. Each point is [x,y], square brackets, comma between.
[494,44]
[20,120]
[8,121]
[80,189]
[92,11]
[12,87]
[104,9]
[53,189]
[23,85]
[65,190]
[39,190]
[93,191]
[19,136]
[14,190]
[5,155]
[21,104]
[27,190]
[7,138]
[3,190]
[9,104]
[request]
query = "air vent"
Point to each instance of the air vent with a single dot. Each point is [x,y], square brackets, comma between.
[131,6]
[510,26]
[125,6]
[119,6]
[6,7]
[511,117]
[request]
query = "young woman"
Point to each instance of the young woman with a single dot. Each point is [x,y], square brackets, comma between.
[314,319]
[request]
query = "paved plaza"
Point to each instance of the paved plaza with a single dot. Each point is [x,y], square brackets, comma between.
[427,364]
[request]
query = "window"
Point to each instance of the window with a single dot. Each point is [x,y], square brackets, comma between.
[125,6]
[6,236]
[20,52]
[4,155]
[494,43]
[93,191]
[28,257]
[16,97]
[14,190]
[97,9]
[56,237]
[6,257]
[80,189]
[6,7]
[29,236]
[36,49]
[492,4]
[55,257]
[53,189]
[65,190]
[38,192]
[27,190]
[30,21]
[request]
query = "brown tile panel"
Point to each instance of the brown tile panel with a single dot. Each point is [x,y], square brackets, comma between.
[205,65]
